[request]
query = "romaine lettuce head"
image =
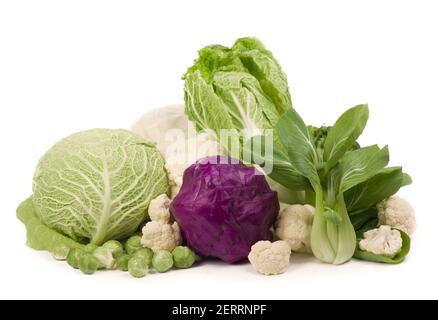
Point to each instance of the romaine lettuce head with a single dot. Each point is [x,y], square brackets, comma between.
[242,88]
[224,207]
[97,185]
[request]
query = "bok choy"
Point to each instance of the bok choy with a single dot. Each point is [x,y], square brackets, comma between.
[333,175]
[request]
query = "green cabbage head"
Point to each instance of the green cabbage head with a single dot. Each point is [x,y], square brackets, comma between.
[96,185]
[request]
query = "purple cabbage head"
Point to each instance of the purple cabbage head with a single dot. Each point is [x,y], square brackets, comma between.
[224,207]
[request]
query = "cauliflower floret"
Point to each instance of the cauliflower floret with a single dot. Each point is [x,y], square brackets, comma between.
[397,213]
[382,241]
[294,225]
[174,190]
[175,173]
[270,258]
[177,233]
[159,209]
[179,159]
[160,236]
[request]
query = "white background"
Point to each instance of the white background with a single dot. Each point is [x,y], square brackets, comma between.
[66,66]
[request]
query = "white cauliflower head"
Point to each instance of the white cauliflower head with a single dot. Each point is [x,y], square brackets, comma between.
[382,241]
[162,124]
[161,236]
[159,209]
[270,258]
[294,225]
[170,129]
[181,157]
[397,213]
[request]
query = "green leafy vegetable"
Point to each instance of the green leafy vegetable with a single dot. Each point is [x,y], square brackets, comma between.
[344,134]
[362,218]
[319,136]
[241,88]
[333,240]
[370,224]
[96,185]
[398,258]
[301,151]
[338,170]
[362,199]
[381,186]
[359,165]
[39,236]
[264,67]
[281,169]
[240,93]
[332,216]
[407,180]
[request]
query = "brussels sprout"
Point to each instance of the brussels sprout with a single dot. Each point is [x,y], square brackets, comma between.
[144,253]
[138,267]
[73,257]
[105,257]
[115,247]
[133,244]
[60,252]
[183,257]
[88,263]
[89,248]
[162,261]
[122,262]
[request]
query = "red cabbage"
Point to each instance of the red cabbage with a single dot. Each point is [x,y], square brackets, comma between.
[224,207]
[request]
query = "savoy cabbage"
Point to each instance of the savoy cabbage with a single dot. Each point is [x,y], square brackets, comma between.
[96,185]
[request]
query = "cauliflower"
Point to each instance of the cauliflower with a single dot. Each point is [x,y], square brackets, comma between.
[159,209]
[177,233]
[175,173]
[161,236]
[270,258]
[382,241]
[397,213]
[179,159]
[170,128]
[157,125]
[294,225]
